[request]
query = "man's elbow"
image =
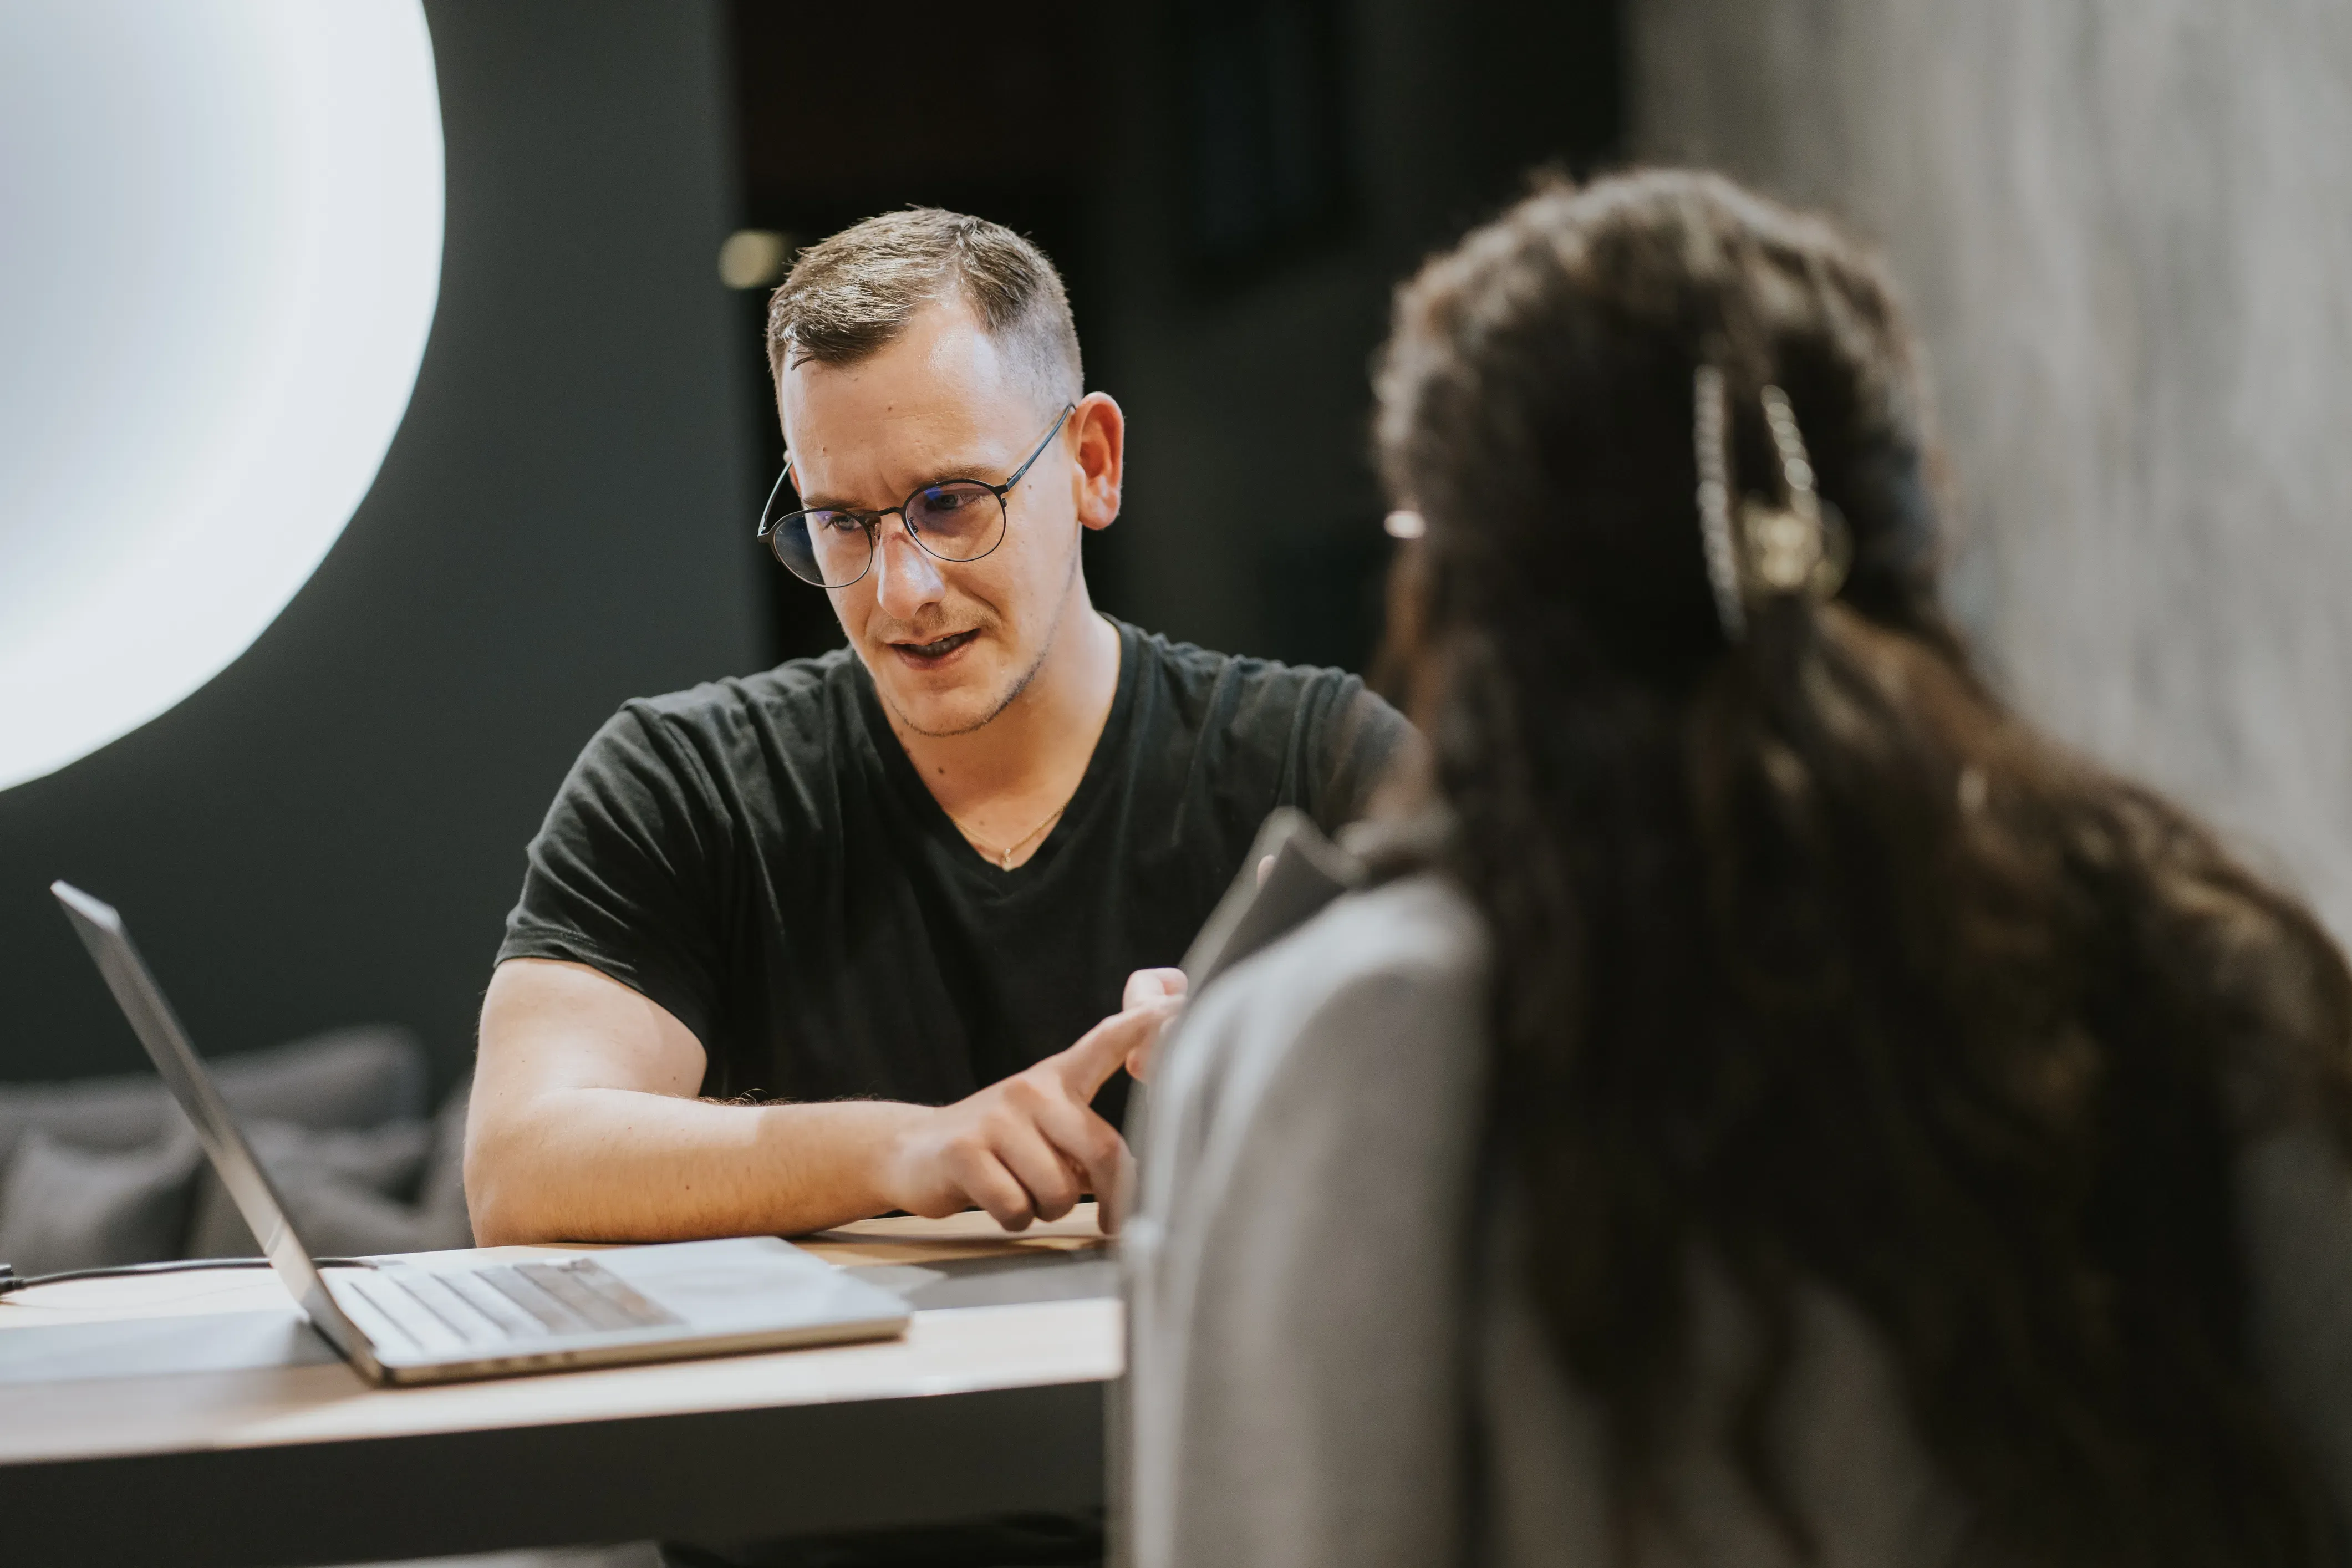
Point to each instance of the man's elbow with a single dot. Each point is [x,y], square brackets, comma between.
[504,1194]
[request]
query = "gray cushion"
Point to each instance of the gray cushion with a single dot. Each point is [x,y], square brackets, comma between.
[359,1077]
[395,1188]
[96,1113]
[65,1207]
[344,1078]
[441,1192]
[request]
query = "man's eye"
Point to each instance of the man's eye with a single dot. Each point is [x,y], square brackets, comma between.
[944,500]
[835,522]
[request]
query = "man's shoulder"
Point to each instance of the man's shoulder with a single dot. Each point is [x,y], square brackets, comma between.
[725,735]
[798,693]
[1202,681]
[1257,733]
[1190,664]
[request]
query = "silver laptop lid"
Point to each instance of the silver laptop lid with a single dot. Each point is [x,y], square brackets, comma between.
[141,1000]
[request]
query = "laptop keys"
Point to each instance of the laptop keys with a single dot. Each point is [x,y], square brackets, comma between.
[478,1293]
[597,1294]
[418,1323]
[449,1312]
[581,1296]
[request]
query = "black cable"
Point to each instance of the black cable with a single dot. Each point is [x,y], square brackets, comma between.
[10,1284]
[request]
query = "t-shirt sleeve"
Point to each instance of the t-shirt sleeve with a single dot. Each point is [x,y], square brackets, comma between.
[623,874]
[1353,739]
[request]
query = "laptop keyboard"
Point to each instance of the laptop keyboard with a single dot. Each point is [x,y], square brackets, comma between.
[505,1303]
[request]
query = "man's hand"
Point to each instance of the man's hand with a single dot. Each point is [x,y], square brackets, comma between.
[1030,1147]
[1144,987]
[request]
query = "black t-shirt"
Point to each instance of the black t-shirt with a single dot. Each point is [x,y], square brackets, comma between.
[759,857]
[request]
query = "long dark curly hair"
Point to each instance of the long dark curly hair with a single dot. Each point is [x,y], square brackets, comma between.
[1810,956]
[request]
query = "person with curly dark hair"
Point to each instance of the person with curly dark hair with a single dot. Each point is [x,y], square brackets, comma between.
[1768,1103]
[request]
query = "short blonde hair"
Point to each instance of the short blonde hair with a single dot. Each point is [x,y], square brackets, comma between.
[849,296]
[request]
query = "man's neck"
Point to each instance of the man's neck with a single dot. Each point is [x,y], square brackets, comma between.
[1028,759]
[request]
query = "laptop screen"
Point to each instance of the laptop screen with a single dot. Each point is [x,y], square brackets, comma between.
[141,1000]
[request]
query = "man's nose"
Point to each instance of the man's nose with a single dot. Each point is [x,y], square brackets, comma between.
[909,575]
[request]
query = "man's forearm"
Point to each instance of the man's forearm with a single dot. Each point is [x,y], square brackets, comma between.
[614,1164]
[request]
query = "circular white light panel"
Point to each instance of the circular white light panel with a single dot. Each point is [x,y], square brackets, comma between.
[220,247]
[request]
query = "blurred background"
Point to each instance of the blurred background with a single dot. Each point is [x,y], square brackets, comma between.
[2125,227]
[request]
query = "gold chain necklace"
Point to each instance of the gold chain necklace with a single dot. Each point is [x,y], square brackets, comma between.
[1003,858]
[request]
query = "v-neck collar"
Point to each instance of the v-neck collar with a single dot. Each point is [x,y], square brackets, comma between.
[899,771]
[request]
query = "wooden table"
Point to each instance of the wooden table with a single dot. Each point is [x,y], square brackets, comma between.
[192,1420]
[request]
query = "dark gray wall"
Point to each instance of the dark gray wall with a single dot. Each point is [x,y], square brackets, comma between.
[332,830]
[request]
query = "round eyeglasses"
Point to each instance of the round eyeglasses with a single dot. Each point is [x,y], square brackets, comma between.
[954,520]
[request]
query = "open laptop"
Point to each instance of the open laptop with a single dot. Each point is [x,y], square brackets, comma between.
[422,1319]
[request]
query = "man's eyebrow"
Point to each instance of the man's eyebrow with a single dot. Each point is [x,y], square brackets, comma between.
[969,470]
[822,503]
[810,502]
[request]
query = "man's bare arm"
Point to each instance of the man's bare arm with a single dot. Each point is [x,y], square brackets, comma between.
[583,1126]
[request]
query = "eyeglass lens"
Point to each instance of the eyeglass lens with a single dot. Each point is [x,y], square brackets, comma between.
[958,521]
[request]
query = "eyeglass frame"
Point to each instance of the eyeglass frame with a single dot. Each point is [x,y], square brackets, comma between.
[872,521]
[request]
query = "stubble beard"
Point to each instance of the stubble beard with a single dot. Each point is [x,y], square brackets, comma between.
[1020,684]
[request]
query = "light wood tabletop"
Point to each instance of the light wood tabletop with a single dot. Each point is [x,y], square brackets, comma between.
[867,1243]
[160,1380]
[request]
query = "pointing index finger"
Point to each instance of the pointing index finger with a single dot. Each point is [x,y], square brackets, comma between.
[1086,1067]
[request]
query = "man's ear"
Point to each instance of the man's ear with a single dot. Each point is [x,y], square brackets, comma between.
[1099,438]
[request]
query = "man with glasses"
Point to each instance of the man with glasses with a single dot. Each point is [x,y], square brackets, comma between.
[880,930]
